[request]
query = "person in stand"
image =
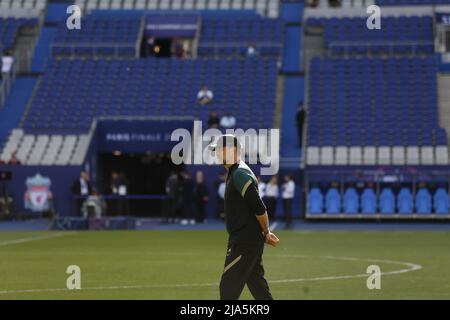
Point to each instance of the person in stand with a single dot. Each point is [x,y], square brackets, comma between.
[300,119]
[94,206]
[271,195]
[172,186]
[287,194]
[205,96]
[187,197]
[213,121]
[220,199]
[81,189]
[201,194]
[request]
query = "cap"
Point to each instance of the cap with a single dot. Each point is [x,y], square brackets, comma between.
[226,140]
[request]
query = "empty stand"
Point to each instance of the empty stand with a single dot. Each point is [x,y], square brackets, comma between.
[398,35]
[268,8]
[73,92]
[102,36]
[388,106]
[9,28]
[229,36]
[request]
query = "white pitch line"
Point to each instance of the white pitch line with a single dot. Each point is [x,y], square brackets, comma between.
[411,267]
[24,240]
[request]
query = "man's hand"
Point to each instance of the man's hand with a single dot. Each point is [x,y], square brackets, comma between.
[272,239]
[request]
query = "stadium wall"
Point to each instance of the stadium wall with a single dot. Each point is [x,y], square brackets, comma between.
[61,178]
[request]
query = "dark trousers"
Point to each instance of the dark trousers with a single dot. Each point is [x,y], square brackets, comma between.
[300,134]
[287,206]
[200,214]
[220,203]
[271,204]
[169,209]
[187,208]
[243,265]
[123,207]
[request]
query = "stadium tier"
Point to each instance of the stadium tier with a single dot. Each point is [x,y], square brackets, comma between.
[22,4]
[400,35]
[230,36]
[102,36]
[265,7]
[374,95]
[9,27]
[221,35]
[73,92]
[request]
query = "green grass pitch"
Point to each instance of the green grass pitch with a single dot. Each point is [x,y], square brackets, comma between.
[188,264]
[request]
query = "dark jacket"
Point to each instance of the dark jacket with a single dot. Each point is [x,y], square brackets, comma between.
[76,187]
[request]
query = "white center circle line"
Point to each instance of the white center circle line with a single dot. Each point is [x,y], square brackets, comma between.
[410,267]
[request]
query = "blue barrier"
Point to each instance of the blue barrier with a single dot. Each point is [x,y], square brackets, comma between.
[104,223]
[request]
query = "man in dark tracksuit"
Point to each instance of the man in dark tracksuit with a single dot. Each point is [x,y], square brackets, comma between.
[247,225]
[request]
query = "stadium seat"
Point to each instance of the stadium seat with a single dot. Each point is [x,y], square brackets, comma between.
[441,201]
[333,201]
[355,156]
[312,156]
[384,155]
[405,201]
[423,201]
[370,155]
[398,155]
[427,155]
[387,201]
[351,201]
[368,201]
[341,157]
[315,201]
[327,155]
[412,155]
[441,155]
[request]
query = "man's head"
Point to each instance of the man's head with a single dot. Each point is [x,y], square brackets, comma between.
[227,148]
[204,87]
[199,176]
[84,175]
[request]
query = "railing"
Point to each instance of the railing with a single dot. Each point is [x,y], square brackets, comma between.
[93,50]
[347,45]
[125,206]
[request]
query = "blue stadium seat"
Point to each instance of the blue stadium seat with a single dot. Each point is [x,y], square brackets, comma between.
[351,201]
[441,201]
[315,201]
[333,201]
[423,201]
[387,201]
[368,201]
[405,201]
